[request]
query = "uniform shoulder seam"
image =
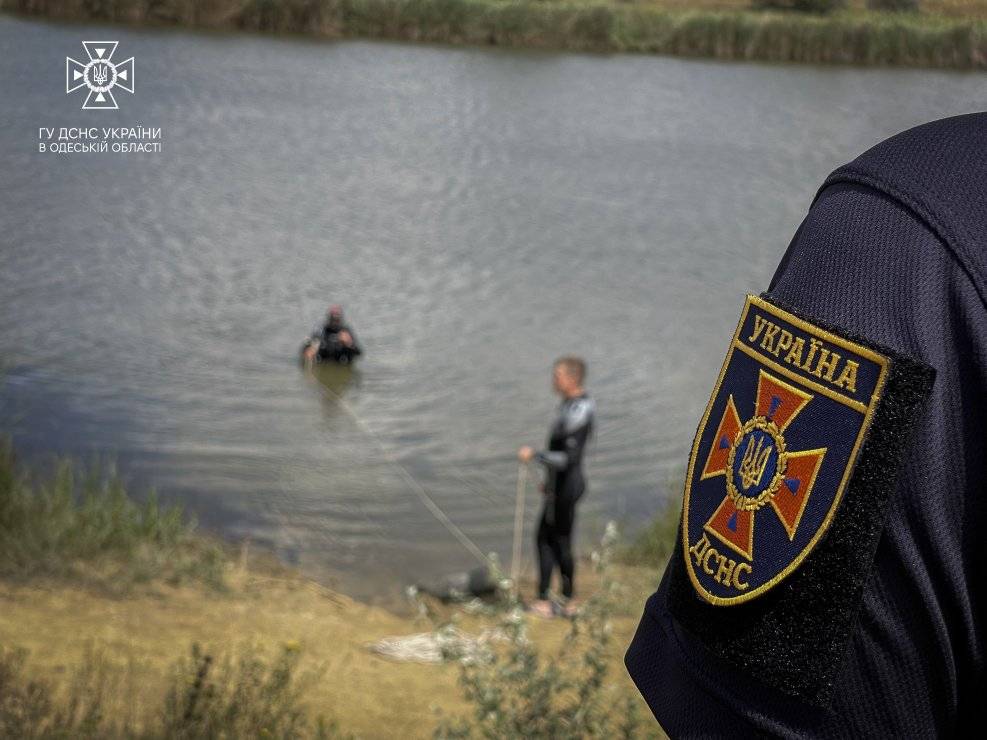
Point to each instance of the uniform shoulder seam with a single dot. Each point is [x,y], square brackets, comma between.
[956,243]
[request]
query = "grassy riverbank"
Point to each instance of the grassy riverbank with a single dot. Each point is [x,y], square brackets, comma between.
[81,526]
[128,657]
[118,619]
[946,34]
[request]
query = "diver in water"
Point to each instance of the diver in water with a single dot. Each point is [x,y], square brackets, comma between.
[334,342]
[564,481]
[338,341]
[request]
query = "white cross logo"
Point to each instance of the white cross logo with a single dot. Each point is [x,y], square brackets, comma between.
[100,75]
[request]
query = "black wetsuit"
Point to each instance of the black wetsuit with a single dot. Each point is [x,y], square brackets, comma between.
[330,346]
[564,486]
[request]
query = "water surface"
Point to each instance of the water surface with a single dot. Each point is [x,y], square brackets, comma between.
[479,212]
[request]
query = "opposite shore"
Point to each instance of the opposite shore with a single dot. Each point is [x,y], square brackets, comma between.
[731,31]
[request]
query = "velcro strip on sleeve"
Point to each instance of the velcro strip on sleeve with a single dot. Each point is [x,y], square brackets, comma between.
[791,471]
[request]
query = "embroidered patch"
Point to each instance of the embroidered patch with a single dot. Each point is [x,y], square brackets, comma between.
[774,452]
[813,474]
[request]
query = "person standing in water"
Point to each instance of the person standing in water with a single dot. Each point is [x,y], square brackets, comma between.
[333,341]
[564,480]
[338,342]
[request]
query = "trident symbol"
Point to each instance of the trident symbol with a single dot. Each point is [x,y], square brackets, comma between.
[754,462]
[100,74]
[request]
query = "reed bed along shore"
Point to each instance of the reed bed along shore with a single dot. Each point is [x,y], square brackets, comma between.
[81,525]
[848,36]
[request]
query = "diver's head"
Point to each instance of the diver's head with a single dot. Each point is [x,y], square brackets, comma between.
[335,314]
[568,374]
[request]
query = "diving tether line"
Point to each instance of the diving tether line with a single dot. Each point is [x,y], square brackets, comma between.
[417,487]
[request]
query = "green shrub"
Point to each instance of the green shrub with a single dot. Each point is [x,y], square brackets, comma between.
[518,692]
[247,697]
[250,697]
[33,709]
[24,704]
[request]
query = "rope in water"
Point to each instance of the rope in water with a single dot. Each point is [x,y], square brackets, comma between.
[434,509]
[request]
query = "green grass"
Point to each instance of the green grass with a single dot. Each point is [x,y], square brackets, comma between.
[725,30]
[850,38]
[82,525]
[654,545]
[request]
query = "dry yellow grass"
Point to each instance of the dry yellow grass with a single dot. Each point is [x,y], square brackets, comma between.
[146,632]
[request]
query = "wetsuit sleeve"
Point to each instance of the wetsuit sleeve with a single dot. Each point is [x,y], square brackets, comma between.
[557,459]
[864,262]
[355,349]
[576,423]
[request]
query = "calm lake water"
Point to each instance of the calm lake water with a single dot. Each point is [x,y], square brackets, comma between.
[478,212]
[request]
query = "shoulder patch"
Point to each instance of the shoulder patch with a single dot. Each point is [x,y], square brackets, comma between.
[774,451]
[785,492]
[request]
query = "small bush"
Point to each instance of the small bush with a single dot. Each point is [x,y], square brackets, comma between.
[33,709]
[250,697]
[24,704]
[517,692]
[242,698]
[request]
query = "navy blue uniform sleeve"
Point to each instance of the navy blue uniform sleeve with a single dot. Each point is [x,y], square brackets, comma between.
[913,665]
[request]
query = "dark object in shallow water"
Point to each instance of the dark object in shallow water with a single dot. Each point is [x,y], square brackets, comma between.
[462,586]
[335,352]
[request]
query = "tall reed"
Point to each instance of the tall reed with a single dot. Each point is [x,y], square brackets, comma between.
[82,523]
[843,37]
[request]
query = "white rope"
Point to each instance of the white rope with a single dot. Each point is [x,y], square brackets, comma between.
[417,487]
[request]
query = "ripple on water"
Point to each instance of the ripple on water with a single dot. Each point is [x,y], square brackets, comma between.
[479,212]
